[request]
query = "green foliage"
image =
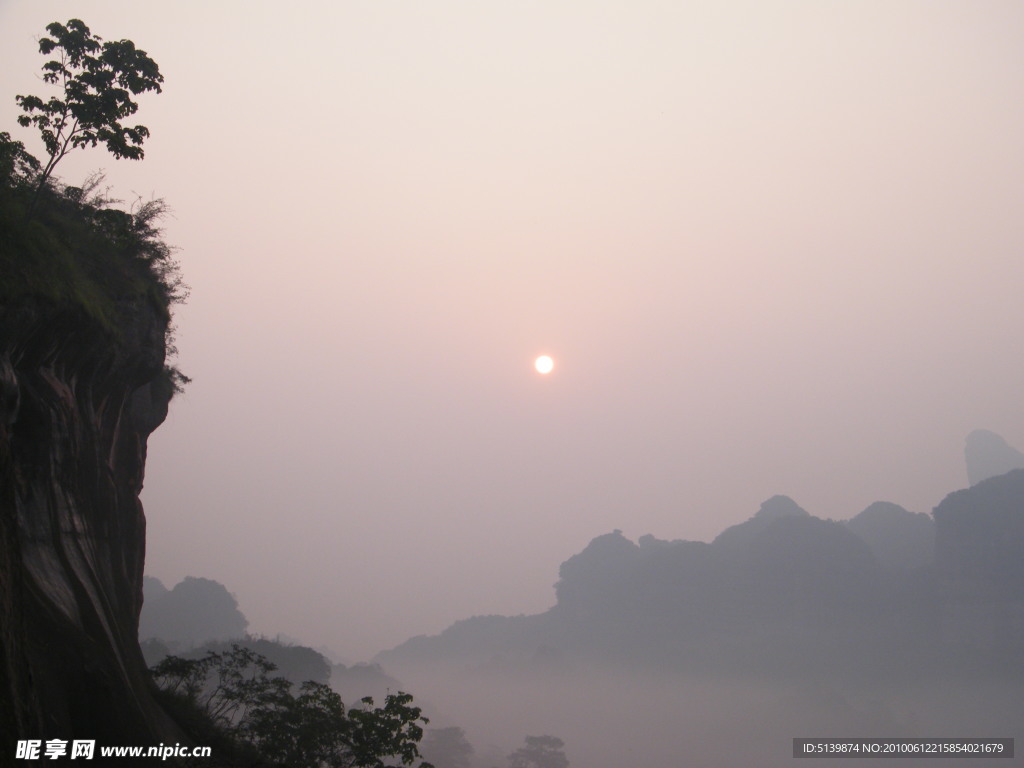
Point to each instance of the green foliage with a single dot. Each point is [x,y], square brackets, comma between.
[97,80]
[296,663]
[393,730]
[17,166]
[80,252]
[234,692]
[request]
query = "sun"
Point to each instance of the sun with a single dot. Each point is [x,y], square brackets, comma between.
[544,365]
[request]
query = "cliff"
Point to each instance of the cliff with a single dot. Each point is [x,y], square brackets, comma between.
[78,403]
[84,312]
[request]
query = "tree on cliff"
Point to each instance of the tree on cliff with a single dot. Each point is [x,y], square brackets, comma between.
[98,80]
[78,249]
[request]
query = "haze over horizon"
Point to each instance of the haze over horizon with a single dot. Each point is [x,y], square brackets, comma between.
[772,248]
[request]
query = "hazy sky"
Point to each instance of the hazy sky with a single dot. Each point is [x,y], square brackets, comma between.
[773,247]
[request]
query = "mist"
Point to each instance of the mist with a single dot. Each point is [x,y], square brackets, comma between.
[607,718]
[771,248]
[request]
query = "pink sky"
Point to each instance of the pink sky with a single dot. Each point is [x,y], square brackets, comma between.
[773,248]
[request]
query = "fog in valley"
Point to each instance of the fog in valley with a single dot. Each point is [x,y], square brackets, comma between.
[892,624]
[770,488]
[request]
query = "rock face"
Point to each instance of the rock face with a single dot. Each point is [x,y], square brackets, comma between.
[79,399]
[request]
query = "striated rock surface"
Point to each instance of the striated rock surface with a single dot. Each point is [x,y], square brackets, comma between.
[78,400]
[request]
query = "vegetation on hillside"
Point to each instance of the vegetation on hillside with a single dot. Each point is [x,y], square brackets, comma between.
[230,701]
[74,248]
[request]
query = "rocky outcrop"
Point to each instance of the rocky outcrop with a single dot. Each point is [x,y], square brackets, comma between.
[80,392]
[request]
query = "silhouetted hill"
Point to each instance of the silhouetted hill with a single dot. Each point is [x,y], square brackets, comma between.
[897,537]
[152,589]
[741,536]
[785,623]
[355,681]
[979,534]
[599,576]
[980,539]
[807,564]
[988,455]
[195,611]
[476,641]
[297,663]
[781,594]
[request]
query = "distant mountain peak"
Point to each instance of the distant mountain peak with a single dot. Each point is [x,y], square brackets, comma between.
[780,506]
[898,538]
[987,455]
